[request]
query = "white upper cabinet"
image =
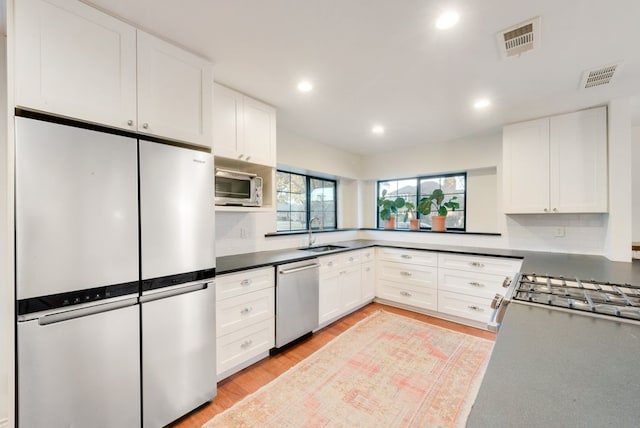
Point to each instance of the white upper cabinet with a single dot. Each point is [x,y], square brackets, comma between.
[75,61]
[227,121]
[556,164]
[243,128]
[174,92]
[578,167]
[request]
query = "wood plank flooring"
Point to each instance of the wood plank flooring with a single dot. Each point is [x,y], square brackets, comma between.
[243,383]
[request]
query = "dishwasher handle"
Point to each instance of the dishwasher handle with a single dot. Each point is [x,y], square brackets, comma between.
[83,312]
[298,269]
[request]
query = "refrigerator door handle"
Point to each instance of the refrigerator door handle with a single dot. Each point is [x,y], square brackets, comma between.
[174,291]
[83,312]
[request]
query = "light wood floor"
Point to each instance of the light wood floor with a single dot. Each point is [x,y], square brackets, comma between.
[243,383]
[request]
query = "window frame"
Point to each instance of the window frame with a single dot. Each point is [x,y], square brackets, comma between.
[418,179]
[308,179]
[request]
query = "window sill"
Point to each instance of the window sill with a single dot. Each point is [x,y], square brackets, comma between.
[305,232]
[449,232]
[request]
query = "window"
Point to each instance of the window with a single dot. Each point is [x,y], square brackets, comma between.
[303,197]
[414,189]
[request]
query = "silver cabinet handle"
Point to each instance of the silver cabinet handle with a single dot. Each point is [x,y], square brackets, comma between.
[405,273]
[145,125]
[246,310]
[240,156]
[476,284]
[351,259]
[497,301]
[507,282]
[546,210]
[130,122]
[248,157]
[246,343]
[343,272]
[245,282]
[555,210]
[368,269]
[329,264]
[404,293]
[475,308]
[406,256]
[476,264]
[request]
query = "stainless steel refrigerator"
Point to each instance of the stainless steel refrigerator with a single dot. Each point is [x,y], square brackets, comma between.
[114,267]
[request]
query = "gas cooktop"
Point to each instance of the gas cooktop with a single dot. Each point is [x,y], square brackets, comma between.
[617,300]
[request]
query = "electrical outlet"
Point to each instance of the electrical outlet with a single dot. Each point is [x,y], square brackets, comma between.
[558,232]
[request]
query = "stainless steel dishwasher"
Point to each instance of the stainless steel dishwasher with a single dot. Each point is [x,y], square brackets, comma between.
[296,300]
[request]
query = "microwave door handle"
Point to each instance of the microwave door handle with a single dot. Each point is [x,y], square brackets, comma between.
[234,174]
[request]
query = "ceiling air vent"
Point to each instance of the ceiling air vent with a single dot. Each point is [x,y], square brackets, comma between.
[520,38]
[599,76]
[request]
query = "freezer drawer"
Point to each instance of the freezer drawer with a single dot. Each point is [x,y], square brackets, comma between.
[80,372]
[178,351]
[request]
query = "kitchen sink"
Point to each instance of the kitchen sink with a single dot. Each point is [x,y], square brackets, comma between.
[323,248]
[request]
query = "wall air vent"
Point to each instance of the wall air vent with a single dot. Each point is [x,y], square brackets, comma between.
[599,76]
[520,38]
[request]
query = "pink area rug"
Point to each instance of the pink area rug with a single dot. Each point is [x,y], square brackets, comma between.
[386,371]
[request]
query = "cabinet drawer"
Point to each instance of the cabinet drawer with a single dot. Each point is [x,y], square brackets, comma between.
[235,284]
[398,292]
[237,312]
[329,263]
[410,275]
[423,258]
[482,264]
[351,258]
[244,344]
[367,255]
[461,305]
[472,283]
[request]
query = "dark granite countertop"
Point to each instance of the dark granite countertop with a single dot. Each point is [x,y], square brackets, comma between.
[568,265]
[551,368]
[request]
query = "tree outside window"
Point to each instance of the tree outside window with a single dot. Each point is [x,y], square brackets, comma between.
[301,197]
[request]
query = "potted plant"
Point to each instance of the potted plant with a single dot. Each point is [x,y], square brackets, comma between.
[410,214]
[389,209]
[437,199]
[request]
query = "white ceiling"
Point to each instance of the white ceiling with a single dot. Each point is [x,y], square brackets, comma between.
[383,61]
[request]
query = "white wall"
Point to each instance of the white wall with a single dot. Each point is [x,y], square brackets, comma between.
[619,224]
[635,183]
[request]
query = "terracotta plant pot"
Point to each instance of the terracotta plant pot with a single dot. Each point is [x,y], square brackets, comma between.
[438,223]
[390,223]
[414,224]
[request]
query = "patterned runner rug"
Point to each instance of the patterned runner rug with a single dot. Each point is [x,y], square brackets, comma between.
[386,371]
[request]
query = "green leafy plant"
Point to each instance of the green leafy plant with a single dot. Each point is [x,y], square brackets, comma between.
[410,211]
[436,198]
[389,206]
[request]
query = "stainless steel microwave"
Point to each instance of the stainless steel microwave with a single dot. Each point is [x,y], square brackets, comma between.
[238,188]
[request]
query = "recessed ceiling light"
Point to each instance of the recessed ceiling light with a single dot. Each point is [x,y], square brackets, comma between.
[481,103]
[447,20]
[305,86]
[378,130]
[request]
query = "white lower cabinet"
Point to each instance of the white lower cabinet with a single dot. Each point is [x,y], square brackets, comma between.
[245,318]
[468,283]
[342,283]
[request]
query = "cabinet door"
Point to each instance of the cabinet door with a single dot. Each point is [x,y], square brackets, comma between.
[74,61]
[227,122]
[259,132]
[578,170]
[174,92]
[329,297]
[368,281]
[350,288]
[525,163]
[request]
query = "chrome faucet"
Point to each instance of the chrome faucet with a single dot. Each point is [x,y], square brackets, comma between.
[312,240]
